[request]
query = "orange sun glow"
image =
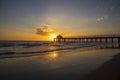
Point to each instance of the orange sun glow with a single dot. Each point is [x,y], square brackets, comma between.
[53,36]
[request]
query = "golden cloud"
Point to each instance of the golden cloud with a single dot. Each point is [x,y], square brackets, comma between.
[44,31]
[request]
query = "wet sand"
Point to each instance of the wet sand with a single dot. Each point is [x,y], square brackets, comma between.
[63,65]
[108,71]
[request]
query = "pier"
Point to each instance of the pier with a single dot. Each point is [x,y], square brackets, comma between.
[91,39]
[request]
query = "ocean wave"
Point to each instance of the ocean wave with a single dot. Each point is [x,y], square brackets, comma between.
[19,54]
[27,48]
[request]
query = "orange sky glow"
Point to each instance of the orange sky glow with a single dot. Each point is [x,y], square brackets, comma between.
[43,20]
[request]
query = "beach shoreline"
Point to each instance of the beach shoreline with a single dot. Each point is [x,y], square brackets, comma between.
[61,65]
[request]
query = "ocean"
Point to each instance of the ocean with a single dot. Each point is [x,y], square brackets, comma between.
[30,48]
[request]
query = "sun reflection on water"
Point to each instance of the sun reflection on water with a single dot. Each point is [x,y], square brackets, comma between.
[52,55]
[49,56]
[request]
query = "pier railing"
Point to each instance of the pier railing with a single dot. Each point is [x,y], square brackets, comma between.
[111,39]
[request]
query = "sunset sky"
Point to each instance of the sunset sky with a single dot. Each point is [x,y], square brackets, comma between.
[39,19]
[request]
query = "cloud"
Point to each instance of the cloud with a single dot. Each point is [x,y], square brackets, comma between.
[102,18]
[44,31]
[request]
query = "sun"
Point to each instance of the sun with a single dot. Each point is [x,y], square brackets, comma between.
[53,36]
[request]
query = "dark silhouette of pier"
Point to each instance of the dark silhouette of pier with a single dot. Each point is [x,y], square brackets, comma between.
[91,39]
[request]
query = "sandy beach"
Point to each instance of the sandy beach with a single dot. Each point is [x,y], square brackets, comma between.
[108,71]
[94,64]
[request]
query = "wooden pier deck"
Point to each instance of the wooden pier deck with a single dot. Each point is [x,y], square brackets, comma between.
[106,39]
